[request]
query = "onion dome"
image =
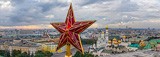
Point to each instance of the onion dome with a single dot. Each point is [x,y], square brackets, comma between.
[109,41]
[119,41]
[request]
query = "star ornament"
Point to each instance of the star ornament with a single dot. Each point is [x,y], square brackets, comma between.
[70,30]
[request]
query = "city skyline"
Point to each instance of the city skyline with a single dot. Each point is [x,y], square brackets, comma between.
[38,14]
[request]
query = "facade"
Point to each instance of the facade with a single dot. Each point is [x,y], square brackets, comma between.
[3,47]
[21,45]
[51,47]
[28,49]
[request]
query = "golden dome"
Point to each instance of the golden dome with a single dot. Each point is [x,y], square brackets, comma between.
[124,36]
[142,43]
[119,41]
[109,41]
[102,32]
[106,26]
[114,39]
[115,42]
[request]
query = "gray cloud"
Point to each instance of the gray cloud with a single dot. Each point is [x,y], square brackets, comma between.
[34,12]
[127,6]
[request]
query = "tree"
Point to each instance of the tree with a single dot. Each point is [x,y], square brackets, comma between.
[39,55]
[15,53]
[7,54]
[48,54]
[86,54]
[24,54]
[0,36]
[4,53]
[43,54]
[32,55]
[89,41]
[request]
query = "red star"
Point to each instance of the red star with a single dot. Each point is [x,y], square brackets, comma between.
[70,30]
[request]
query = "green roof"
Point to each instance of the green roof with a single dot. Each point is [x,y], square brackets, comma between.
[149,44]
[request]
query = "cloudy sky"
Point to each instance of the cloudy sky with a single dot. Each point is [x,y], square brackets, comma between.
[35,14]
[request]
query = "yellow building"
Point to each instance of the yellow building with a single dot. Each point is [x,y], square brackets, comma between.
[51,47]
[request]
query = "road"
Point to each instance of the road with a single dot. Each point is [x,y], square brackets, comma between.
[140,53]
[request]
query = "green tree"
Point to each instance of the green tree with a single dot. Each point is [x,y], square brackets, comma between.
[39,55]
[89,41]
[4,53]
[43,54]
[24,54]
[48,54]
[0,36]
[32,55]
[86,54]
[7,54]
[15,53]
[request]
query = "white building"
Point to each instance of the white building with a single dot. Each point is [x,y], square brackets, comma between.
[106,35]
[102,40]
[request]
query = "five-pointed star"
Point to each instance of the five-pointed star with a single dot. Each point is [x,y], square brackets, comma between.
[70,30]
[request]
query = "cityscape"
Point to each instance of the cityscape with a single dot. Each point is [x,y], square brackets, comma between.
[79,28]
[101,41]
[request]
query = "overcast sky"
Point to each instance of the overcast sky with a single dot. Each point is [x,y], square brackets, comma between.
[34,14]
